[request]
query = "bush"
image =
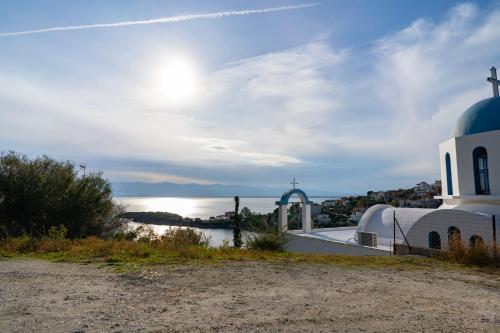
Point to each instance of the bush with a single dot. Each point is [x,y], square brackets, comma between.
[184,237]
[270,240]
[478,255]
[57,232]
[38,194]
[4,233]
[143,233]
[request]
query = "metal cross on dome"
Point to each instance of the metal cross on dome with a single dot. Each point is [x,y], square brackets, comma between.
[493,80]
[294,182]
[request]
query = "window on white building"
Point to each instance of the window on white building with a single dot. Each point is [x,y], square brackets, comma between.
[453,236]
[449,183]
[475,241]
[434,240]
[481,177]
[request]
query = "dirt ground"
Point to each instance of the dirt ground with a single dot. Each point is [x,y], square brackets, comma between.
[38,296]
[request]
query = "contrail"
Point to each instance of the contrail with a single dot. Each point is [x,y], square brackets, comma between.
[168,19]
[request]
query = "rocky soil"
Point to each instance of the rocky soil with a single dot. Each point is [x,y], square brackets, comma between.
[38,296]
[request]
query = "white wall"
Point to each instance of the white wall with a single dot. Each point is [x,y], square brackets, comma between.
[468,223]
[465,146]
[449,147]
[314,245]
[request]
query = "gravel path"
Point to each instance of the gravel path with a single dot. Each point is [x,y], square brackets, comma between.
[37,296]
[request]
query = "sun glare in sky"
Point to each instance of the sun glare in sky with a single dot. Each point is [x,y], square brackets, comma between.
[177,81]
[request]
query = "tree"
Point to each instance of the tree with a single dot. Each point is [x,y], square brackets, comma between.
[246,213]
[237,228]
[38,194]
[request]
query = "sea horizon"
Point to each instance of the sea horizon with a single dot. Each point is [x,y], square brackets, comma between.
[203,207]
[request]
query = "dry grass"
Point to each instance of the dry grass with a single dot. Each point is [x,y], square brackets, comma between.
[143,246]
[480,254]
[123,253]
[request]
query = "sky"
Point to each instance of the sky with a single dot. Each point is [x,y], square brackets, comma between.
[344,95]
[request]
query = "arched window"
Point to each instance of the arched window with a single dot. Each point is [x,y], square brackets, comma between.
[449,181]
[481,177]
[475,241]
[434,240]
[453,235]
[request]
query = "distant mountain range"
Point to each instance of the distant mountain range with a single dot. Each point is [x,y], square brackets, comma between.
[167,189]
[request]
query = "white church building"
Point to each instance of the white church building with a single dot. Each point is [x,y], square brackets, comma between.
[470,178]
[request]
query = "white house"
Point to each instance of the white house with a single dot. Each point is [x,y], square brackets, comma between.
[470,184]
[377,195]
[356,216]
[322,218]
[422,188]
[470,178]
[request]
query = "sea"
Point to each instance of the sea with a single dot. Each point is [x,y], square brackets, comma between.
[200,207]
[203,208]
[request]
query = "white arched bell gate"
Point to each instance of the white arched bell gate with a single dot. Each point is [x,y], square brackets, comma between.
[305,206]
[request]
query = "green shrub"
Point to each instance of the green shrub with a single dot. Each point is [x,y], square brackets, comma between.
[225,245]
[143,233]
[57,232]
[25,244]
[4,233]
[38,194]
[184,237]
[270,240]
[125,235]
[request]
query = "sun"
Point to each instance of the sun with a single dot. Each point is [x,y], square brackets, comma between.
[177,81]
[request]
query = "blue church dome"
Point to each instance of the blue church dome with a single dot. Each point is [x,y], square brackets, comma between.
[484,116]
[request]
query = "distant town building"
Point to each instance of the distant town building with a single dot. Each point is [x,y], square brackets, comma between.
[380,195]
[328,203]
[356,217]
[422,188]
[391,195]
[322,218]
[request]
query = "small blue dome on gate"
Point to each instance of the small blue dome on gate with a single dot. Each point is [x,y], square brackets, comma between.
[484,116]
[286,196]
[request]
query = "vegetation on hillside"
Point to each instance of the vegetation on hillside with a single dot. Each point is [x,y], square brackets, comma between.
[247,220]
[268,240]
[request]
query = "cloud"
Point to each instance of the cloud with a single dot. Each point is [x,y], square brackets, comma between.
[162,20]
[425,76]
[278,102]
[335,118]
[154,177]
[239,152]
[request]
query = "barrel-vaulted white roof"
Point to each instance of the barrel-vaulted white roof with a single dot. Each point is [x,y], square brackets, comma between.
[379,219]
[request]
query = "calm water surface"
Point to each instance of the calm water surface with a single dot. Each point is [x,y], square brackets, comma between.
[199,207]
[216,236]
[202,208]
